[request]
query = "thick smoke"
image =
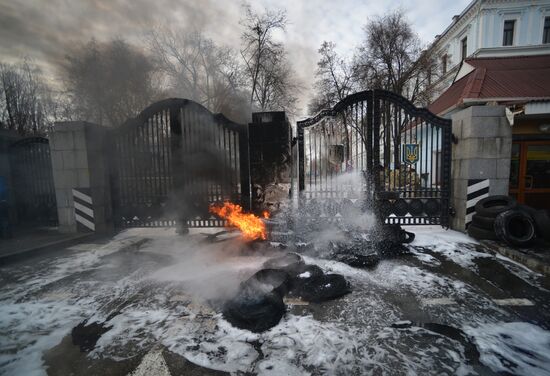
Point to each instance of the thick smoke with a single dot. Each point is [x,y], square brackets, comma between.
[205,164]
[209,269]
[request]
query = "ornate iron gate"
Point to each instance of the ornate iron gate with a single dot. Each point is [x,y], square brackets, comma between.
[33,186]
[401,153]
[172,161]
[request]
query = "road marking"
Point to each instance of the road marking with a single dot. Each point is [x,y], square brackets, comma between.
[438,301]
[153,363]
[513,302]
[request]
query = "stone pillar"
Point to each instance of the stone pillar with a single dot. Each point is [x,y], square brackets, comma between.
[79,160]
[482,153]
[269,142]
[6,139]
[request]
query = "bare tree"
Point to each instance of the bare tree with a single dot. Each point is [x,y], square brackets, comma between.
[26,104]
[391,57]
[334,78]
[197,69]
[109,83]
[334,81]
[272,83]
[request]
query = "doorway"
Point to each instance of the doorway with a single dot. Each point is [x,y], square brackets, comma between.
[530,173]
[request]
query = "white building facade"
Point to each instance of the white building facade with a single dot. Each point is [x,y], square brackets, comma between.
[492,28]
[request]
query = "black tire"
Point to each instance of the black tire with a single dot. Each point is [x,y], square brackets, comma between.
[273,280]
[322,288]
[289,262]
[358,260]
[486,223]
[527,209]
[302,275]
[481,234]
[542,223]
[313,270]
[494,205]
[409,237]
[255,311]
[516,228]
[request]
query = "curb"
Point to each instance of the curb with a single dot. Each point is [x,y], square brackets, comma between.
[32,251]
[530,262]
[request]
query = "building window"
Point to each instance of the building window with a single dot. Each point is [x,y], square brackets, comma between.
[508,34]
[464,50]
[444,64]
[546,31]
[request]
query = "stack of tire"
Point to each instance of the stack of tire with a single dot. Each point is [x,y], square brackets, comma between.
[501,218]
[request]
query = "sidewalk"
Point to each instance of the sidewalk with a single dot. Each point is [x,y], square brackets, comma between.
[27,242]
[536,258]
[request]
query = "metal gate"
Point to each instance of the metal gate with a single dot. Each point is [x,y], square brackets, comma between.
[32,178]
[175,159]
[401,153]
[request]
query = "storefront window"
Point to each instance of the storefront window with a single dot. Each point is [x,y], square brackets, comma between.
[538,167]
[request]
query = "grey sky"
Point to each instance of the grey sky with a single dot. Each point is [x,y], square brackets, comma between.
[45,30]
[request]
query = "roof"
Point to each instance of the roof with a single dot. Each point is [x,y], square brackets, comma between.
[455,21]
[500,79]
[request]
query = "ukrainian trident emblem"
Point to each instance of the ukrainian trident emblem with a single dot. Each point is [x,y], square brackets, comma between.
[411,153]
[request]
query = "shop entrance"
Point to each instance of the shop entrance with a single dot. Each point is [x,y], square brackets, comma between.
[530,173]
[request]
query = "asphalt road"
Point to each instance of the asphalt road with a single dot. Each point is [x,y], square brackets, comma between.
[445,307]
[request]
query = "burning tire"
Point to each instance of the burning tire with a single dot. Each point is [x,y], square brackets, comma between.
[255,311]
[515,227]
[494,205]
[322,288]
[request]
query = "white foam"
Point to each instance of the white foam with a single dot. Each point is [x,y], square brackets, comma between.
[517,347]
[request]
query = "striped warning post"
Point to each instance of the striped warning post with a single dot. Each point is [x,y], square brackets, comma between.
[83,209]
[477,190]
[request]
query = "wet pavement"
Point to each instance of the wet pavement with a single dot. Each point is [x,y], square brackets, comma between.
[107,308]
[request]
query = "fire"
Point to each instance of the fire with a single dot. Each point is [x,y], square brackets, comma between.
[251,226]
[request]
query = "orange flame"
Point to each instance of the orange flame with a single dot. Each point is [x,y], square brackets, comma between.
[251,226]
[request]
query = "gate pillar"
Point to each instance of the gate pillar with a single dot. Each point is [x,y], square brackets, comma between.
[81,177]
[7,188]
[480,159]
[270,136]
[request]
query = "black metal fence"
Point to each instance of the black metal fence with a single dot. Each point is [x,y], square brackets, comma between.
[376,147]
[175,159]
[32,179]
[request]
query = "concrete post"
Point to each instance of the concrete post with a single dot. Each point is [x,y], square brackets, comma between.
[79,161]
[481,156]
